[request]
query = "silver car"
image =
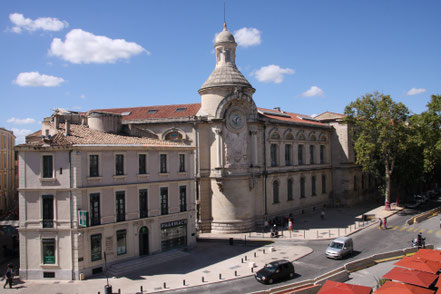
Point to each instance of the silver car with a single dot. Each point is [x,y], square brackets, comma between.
[340,247]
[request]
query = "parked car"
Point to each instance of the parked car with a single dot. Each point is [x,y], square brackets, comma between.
[420,198]
[413,204]
[340,247]
[275,271]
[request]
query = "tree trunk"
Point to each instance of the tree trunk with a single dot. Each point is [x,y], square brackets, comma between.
[387,188]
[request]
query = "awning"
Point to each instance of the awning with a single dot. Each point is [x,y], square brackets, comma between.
[331,287]
[420,264]
[429,254]
[393,288]
[413,277]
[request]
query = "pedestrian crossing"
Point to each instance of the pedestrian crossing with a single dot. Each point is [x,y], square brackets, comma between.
[415,229]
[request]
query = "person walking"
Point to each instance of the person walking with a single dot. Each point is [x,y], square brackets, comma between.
[385,223]
[265,225]
[9,276]
[380,223]
[290,225]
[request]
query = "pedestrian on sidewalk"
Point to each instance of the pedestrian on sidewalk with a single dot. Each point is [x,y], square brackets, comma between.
[290,225]
[385,223]
[265,225]
[9,276]
[380,223]
[322,214]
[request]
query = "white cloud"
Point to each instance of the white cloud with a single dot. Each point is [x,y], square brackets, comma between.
[42,23]
[313,91]
[21,121]
[35,79]
[82,96]
[246,37]
[85,47]
[20,135]
[415,91]
[272,73]
[313,115]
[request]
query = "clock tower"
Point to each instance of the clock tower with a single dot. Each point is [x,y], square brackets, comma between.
[228,107]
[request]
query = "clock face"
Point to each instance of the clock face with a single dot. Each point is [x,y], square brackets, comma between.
[237,120]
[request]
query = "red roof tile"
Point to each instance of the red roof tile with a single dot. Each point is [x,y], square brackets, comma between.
[420,264]
[331,287]
[393,288]
[289,116]
[413,277]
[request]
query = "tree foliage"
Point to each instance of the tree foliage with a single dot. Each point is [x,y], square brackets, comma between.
[379,133]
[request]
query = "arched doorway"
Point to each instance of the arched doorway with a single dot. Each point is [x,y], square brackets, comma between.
[143,241]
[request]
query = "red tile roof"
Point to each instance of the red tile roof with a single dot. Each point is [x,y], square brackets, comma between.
[420,264]
[290,117]
[393,288]
[162,111]
[413,277]
[429,254]
[331,287]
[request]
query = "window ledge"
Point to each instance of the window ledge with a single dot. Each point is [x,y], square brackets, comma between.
[182,173]
[94,178]
[143,175]
[163,174]
[49,266]
[48,179]
[120,177]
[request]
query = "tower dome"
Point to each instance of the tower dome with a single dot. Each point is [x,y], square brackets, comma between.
[225,73]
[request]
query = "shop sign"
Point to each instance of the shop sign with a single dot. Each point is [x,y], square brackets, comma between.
[175,223]
[82,218]
[49,259]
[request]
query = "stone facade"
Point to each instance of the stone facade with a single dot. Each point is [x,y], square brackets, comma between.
[8,188]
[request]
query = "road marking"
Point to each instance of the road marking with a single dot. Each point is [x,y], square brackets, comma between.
[396,227]
[402,229]
[422,230]
[410,229]
[429,231]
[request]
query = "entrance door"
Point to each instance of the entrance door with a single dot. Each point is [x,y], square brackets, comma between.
[143,241]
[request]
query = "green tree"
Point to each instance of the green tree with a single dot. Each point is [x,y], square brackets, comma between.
[379,134]
[427,135]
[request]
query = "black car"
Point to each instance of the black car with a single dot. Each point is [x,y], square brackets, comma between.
[275,271]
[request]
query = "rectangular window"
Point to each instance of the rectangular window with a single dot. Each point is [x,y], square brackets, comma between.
[119,164]
[313,186]
[48,211]
[273,154]
[181,163]
[183,198]
[163,162]
[164,201]
[302,187]
[142,163]
[121,242]
[93,165]
[311,154]
[48,247]
[290,191]
[120,206]
[288,160]
[95,213]
[143,203]
[300,154]
[95,247]
[323,184]
[322,154]
[48,166]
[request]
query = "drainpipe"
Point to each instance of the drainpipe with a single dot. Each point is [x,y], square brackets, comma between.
[70,214]
[265,174]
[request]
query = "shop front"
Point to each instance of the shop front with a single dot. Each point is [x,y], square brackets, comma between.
[173,235]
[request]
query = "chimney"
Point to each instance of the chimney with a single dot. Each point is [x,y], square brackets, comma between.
[57,122]
[67,124]
[277,108]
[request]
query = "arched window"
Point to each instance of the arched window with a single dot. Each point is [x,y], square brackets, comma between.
[289,136]
[323,184]
[300,154]
[302,187]
[313,186]
[322,154]
[276,192]
[289,188]
[275,136]
[312,138]
[301,137]
[311,154]
[274,154]
[172,136]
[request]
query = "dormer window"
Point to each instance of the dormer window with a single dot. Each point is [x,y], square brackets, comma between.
[152,111]
[125,113]
[172,136]
[181,109]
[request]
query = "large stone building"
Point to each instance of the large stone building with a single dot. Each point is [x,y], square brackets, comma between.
[244,164]
[7,171]
[86,190]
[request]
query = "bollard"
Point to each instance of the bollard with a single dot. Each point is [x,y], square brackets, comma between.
[255,255]
[241,260]
[141,290]
[119,291]
[220,276]
[252,269]
[165,285]
[183,282]
[245,257]
[203,280]
[263,251]
[235,273]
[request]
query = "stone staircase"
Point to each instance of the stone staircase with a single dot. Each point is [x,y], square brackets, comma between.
[139,263]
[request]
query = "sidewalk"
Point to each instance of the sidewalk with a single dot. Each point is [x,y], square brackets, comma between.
[215,260]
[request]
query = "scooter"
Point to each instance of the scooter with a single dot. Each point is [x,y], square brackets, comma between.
[274,232]
[417,244]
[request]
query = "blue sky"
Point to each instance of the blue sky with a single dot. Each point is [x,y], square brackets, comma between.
[303,56]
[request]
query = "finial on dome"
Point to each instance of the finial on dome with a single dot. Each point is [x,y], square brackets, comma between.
[225,26]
